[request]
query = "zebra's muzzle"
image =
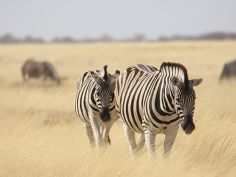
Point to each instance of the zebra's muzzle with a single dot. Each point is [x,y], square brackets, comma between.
[105,114]
[188,125]
[188,128]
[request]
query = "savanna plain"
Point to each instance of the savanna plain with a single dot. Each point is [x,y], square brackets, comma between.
[40,136]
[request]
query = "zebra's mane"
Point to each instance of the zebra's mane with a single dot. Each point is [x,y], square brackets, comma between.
[146,68]
[179,66]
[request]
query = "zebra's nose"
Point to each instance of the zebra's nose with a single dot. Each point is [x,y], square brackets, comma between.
[189,128]
[188,125]
[105,114]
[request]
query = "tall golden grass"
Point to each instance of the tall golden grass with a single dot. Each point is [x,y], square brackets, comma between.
[41,136]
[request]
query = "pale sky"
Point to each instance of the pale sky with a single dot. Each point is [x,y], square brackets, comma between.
[120,18]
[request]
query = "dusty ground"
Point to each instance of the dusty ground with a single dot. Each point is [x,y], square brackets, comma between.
[40,135]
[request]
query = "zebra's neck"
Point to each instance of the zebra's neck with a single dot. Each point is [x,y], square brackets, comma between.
[169,70]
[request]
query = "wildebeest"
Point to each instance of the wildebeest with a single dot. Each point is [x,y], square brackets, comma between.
[37,70]
[229,70]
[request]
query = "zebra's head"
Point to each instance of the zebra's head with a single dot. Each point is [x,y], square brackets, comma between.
[104,91]
[51,72]
[185,101]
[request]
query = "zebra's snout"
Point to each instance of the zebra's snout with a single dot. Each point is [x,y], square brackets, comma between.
[105,114]
[188,127]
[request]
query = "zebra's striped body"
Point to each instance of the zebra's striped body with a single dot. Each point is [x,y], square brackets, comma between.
[152,101]
[95,104]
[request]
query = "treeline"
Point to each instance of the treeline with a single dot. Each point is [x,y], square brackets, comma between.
[207,36]
[8,39]
[11,39]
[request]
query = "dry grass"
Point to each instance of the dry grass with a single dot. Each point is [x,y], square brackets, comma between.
[40,135]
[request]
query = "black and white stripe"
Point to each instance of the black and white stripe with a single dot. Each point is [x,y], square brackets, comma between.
[152,101]
[95,104]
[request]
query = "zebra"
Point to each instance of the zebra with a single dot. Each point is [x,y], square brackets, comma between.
[152,101]
[95,104]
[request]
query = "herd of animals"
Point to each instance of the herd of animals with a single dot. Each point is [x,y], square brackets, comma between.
[149,101]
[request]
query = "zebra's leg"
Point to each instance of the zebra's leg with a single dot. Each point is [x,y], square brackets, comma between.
[96,130]
[104,138]
[130,135]
[141,142]
[101,129]
[150,141]
[105,134]
[89,132]
[170,135]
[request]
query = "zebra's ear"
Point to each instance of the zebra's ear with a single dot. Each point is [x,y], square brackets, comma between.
[115,76]
[195,82]
[94,76]
[175,80]
[104,72]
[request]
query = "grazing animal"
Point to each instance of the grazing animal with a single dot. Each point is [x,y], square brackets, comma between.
[95,104]
[229,70]
[152,101]
[35,69]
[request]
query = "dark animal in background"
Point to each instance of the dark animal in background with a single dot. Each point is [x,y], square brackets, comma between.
[229,70]
[39,70]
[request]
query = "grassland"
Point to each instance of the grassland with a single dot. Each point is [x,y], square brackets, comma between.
[40,135]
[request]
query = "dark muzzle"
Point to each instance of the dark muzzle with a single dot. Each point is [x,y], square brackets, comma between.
[188,125]
[105,114]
